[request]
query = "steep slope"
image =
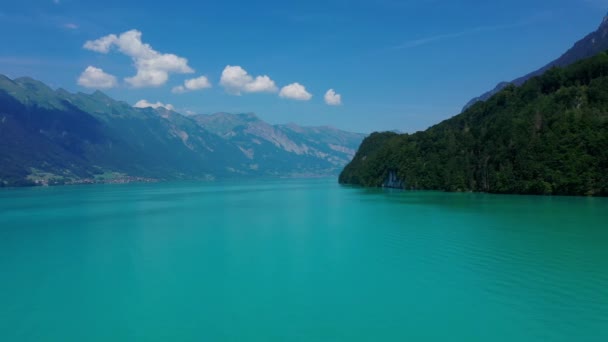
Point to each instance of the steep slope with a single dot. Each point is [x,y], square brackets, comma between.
[549,136]
[49,136]
[589,46]
[284,149]
[55,137]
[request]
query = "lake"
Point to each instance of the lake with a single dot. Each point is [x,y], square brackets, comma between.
[299,260]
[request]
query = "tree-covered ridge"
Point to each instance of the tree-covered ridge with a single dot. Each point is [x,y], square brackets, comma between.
[592,44]
[549,136]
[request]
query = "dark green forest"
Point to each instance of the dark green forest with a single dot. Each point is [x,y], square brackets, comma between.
[547,137]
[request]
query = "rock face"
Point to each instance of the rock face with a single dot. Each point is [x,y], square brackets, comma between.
[392,181]
[55,137]
[589,46]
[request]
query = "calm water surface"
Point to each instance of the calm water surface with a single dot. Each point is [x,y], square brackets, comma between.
[302,260]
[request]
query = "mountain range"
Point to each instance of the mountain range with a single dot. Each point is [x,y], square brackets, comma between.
[284,149]
[589,46]
[52,136]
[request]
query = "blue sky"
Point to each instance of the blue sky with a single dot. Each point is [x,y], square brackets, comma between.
[397,65]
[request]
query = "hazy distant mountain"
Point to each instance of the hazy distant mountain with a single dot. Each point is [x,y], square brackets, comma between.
[280,149]
[52,136]
[589,46]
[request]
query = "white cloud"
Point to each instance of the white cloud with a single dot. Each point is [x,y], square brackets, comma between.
[261,84]
[71,26]
[236,81]
[101,45]
[333,99]
[198,83]
[146,104]
[93,77]
[179,90]
[153,67]
[193,84]
[295,91]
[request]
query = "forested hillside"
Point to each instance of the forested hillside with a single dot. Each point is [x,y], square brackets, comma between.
[549,136]
[589,46]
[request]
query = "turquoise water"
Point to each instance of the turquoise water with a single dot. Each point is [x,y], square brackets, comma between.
[303,260]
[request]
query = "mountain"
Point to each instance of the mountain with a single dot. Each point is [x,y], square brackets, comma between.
[49,136]
[589,46]
[54,137]
[284,149]
[548,136]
